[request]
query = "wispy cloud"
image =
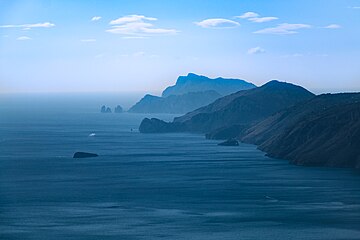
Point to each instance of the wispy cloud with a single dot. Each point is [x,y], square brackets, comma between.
[88,40]
[29,26]
[283,29]
[256,50]
[355,7]
[131,19]
[95,18]
[262,19]
[333,26]
[255,17]
[23,38]
[249,15]
[217,23]
[137,25]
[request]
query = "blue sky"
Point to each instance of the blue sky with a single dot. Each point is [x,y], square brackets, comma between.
[126,46]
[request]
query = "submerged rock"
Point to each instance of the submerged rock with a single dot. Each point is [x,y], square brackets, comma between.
[84,155]
[230,142]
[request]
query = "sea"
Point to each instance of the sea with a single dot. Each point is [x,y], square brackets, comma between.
[153,186]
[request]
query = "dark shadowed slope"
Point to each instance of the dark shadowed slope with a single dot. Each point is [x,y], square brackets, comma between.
[245,107]
[196,83]
[242,108]
[174,103]
[324,131]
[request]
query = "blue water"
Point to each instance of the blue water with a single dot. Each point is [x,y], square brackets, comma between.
[155,186]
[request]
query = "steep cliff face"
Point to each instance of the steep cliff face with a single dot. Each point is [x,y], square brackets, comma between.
[324,131]
[197,83]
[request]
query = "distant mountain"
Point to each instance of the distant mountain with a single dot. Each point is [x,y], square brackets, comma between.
[242,108]
[174,103]
[196,83]
[324,131]
[189,93]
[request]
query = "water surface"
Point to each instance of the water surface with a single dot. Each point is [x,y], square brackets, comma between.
[156,186]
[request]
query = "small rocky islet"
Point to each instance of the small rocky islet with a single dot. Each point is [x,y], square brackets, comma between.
[84,155]
[106,109]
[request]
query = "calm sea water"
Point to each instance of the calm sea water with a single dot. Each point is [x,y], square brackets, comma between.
[154,186]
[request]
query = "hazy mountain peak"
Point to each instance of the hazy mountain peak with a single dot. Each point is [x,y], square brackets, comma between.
[197,83]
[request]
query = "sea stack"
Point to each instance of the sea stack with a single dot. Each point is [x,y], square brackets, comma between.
[105,109]
[118,109]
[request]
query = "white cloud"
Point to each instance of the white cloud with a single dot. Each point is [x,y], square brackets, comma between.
[262,19]
[134,37]
[333,26]
[23,38]
[356,7]
[29,26]
[88,40]
[95,18]
[283,29]
[256,50]
[130,19]
[217,23]
[255,17]
[135,25]
[249,15]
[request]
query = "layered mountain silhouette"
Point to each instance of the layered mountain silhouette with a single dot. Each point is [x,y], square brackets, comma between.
[242,108]
[189,93]
[284,120]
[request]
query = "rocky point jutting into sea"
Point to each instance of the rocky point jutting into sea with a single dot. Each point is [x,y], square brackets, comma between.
[284,120]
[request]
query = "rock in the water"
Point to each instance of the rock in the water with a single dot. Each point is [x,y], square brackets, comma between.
[105,109]
[118,109]
[230,142]
[84,155]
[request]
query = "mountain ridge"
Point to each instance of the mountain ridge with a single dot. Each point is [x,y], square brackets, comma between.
[189,93]
[195,83]
[301,127]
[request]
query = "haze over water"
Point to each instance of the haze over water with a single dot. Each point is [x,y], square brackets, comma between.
[155,186]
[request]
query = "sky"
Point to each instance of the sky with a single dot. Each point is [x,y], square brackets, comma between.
[143,46]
